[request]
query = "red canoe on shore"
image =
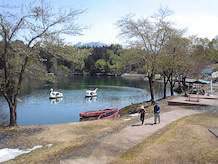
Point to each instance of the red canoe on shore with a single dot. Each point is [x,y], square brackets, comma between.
[95,113]
[110,114]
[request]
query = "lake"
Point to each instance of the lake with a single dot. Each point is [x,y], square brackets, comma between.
[113,92]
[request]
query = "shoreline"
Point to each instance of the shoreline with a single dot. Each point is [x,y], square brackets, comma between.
[67,138]
[84,133]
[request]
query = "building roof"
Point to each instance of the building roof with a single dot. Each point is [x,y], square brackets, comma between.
[197,81]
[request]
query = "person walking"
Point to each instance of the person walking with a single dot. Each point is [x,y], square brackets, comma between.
[157,111]
[142,112]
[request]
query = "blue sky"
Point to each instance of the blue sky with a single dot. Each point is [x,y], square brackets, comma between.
[200,17]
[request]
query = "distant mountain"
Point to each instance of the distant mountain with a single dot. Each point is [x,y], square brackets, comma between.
[90,44]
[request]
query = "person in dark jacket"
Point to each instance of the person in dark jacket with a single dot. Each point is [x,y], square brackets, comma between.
[142,112]
[157,111]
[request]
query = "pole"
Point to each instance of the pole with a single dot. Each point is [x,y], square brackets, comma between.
[211,86]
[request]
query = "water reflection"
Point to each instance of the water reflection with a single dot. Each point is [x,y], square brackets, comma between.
[91,99]
[56,101]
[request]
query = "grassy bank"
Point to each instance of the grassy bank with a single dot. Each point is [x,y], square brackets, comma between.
[64,137]
[184,141]
[133,108]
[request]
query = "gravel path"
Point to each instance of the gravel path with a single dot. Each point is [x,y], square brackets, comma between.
[114,145]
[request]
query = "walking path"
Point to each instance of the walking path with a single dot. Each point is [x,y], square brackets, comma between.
[114,145]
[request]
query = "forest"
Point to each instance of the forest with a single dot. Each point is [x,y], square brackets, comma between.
[32,45]
[190,53]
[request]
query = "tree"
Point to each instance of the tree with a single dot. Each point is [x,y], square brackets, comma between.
[110,54]
[32,25]
[201,55]
[174,61]
[213,49]
[132,60]
[101,66]
[148,35]
[75,57]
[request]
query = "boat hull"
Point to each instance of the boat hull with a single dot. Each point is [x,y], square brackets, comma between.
[95,113]
[111,114]
[91,95]
[57,97]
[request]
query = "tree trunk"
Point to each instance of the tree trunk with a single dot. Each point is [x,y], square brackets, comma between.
[150,79]
[13,114]
[170,80]
[171,88]
[171,85]
[180,87]
[165,88]
[183,81]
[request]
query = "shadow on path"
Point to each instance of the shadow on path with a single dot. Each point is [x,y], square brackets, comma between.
[142,124]
[149,124]
[136,125]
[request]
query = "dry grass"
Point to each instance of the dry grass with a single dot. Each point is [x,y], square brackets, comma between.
[184,141]
[64,137]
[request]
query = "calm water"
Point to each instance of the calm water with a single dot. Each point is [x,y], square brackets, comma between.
[113,92]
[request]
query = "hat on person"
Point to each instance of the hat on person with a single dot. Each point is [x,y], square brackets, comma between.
[142,107]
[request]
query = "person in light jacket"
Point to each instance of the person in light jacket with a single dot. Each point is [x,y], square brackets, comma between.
[142,112]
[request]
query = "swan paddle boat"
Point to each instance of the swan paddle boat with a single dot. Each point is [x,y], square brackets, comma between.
[54,95]
[91,93]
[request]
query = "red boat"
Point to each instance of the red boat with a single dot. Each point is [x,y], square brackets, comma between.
[110,114]
[95,113]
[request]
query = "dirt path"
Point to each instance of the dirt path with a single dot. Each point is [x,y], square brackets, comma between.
[114,145]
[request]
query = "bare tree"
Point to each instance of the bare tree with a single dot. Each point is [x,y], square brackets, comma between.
[149,35]
[21,36]
[174,60]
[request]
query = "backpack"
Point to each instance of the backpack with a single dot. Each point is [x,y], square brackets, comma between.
[142,111]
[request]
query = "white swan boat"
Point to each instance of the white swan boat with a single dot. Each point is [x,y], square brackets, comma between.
[54,95]
[91,93]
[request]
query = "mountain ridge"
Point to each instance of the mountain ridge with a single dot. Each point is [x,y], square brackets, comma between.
[89,44]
